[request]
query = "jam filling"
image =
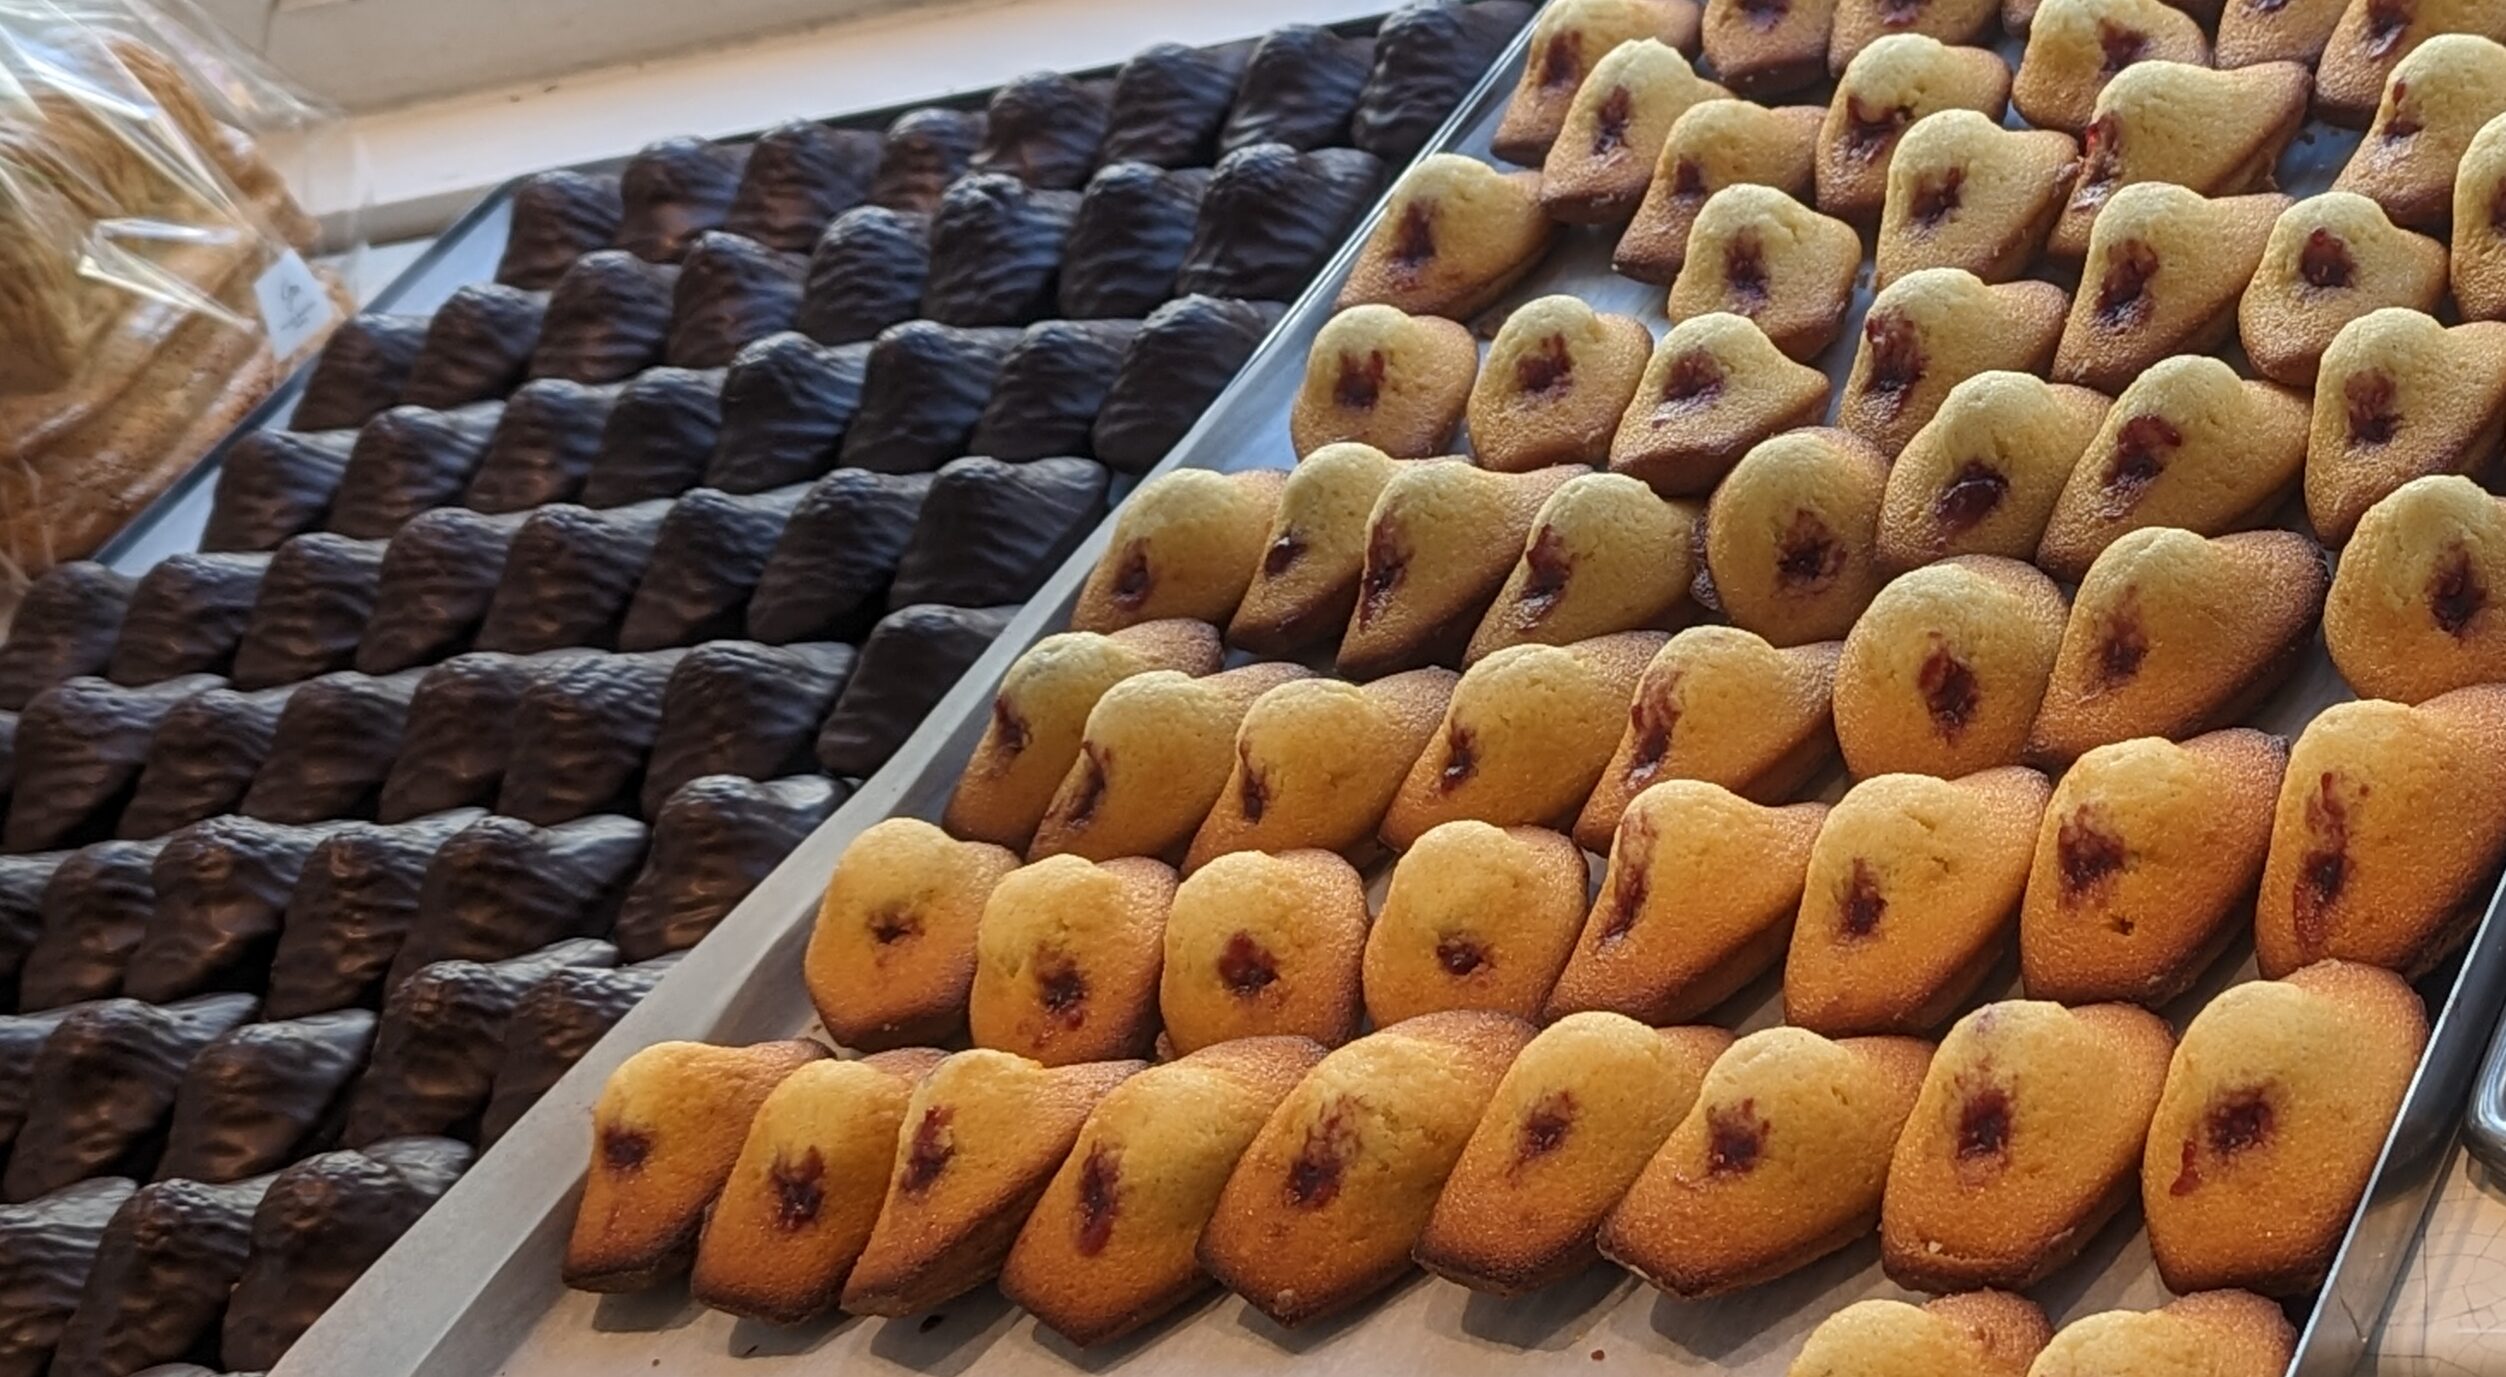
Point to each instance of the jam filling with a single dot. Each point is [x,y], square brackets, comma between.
[1633,882]
[624,1150]
[1937,195]
[1461,756]
[1808,556]
[1245,966]
[1386,561]
[2123,644]
[1984,1125]
[1131,577]
[1545,1127]
[1545,567]
[1765,14]
[1460,955]
[1414,242]
[2405,121]
[1611,121]
[1282,554]
[1314,1178]
[1562,62]
[1692,380]
[1253,790]
[1860,906]
[1061,988]
[2325,262]
[1361,382]
[1896,356]
[1687,179]
[2122,47]
[2140,455]
[1008,727]
[1735,1138]
[2456,594]
[930,1149]
[2088,854]
[2372,419]
[1744,272]
[1654,717]
[2237,1123]
[2123,293]
[2101,163]
[1099,1176]
[1548,368]
[1896,14]
[1091,793]
[1975,491]
[2324,869]
[1869,133]
[891,923]
[1950,693]
[800,1189]
[2387,20]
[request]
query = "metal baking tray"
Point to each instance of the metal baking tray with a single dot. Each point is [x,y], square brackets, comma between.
[473,1289]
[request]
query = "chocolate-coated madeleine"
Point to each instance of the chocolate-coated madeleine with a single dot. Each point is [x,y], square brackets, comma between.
[706,561]
[95,906]
[908,661]
[459,735]
[406,460]
[1134,224]
[65,625]
[186,616]
[865,274]
[442,1031]
[608,319]
[22,1038]
[555,1024]
[558,217]
[161,1274]
[333,747]
[731,290]
[80,746]
[355,895]
[1043,128]
[580,734]
[921,153]
[1051,387]
[440,572]
[22,881]
[741,708]
[1427,57]
[103,1086]
[827,578]
[543,446]
[500,887]
[273,484]
[991,533]
[800,175]
[1185,353]
[1168,103]
[264,1094]
[925,391]
[1300,86]
[478,346]
[714,839]
[221,890]
[1272,216]
[568,576]
[361,370]
[996,243]
[316,598]
[47,1248]
[785,403]
[674,190]
[659,437]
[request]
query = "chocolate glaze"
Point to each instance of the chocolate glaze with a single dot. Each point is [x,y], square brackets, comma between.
[187,616]
[21,1037]
[991,533]
[1044,128]
[439,574]
[828,576]
[1272,216]
[22,881]
[442,1034]
[1427,57]
[477,348]
[222,887]
[716,839]
[1299,88]
[740,708]
[161,1274]
[350,910]
[785,403]
[407,460]
[65,626]
[315,601]
[995,246]
[1046,399]
[731,291]
[103,1085]
[543,445]
[865,274]
[95,912]
[557,218]
[911,658]
[580,736]
[274,484]
[800,175]
[460,732]
[1135,223]
[47,1248]
[659,439]
[608,318]
[921,153]
[925,391]
[203,758]
[264,1095]
[1182,358]
[706,561]
[675,190]
[568,576]
[1169,102]
[80,745]
[335,745]
[554,1025]
[8,755]
[361,370]
[501,887]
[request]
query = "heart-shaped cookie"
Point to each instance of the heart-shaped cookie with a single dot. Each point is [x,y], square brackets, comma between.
[1264,945]
[1557,376]
[1066,959]
[1963,192]
[2331,259]
[1597,170]
[1305,580]
[2231,1333]
[1889,85]
[1605,554]
[1714,144]
[2412,611]
[1757,252]
[1715,387]
[1942,674]
[1566,40]
[1185,545]
[1791,535]
[2216,133]
[1768,48]
[1454,234]
[2479,246]
[2435,101]
[2076,46]
[2164,271]
[2252,32]
[1930,330]
[893,950]
[1155,752]
[1318,761]
[2398,397]
[1475,917]
[1439,543]
[1986,1333]
[2375,37]
[1382,378]
[1861,23]
[1982,476]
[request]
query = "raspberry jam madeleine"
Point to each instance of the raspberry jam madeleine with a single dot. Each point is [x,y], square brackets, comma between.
[1913,886]
[1110,1245]
[2075,47]
[1260,945]
[1567,39]
[1698,902]
[1759,253]
[2413,610]
[1943,673]
[2223,1333]
[2331,259]
[1982,476]
[1604,555]
[1322,1211]
[1454,235]
[1557,376]
[1712,145]
[2375,40]
[1476,917]
[1440,541]
[2216,133]
[1860,23]
[1526,736]
[2276,1108]
[2436,100]
[2025,1142]
[1721,705]
[1066,960]
[1583,1108]
[2188,444]
[1714,388]
[1597,170]
[1318,762]
[2388,829]
[2165,270]
[893,952]
[1790,537]
[1305,581]
[983,1135]
[1184,545]
[1781,1161]
[665,1134]
[1382,378]
[1983,1333]
[1887,87]
[2479,245]
[1963,192]
[2146,865]
[1042,709]
[2172,634]
[1156,751]
[799,1204]
[2398,397]
[1930,330]
[2257,31]
[1768,48]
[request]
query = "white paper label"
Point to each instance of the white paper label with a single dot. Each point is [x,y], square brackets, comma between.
[293,305]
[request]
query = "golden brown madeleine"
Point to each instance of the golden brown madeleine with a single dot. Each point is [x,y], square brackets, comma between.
[1768,47]
[798,1206]
[1698,901]
[1604,555]
[2188,444]
[1185,545]
[1963,192]
[1982,476]
[2166,268]
[1984,1333]
[1567,39]
[2146,864]
[2398,397]
[1305,581]
[1525,737]
[1454,235]
[2229,1333]
[1791,536]
[1584,1107]
[2172,634]
[2026,1141]
[2373,40]
[1439,542]
[1913,887]
[983,1135]
[1557,376]
[1860,23]
[2435,101]
[1714,144]
[2479,245]
[665,1133]
[1759,253]
[2388,829]
[1110,1245]
[1889,85]
[1066,960]
[2275,1111]
[2331,259]
[1379,377]
[1943,673]
[1781,1161]
[1323,1209]
[1721,705]
[893,952]
[1476,917]
[2216,133]
[1597,170]
[1259,945]
[2410,615]
[2257,31]
[1318,761]
[1714,388]
[2075,47]
[1932,329]
[1041,710]
[1156,751]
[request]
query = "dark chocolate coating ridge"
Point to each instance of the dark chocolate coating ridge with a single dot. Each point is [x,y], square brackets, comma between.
[740,708]
[1169,102]
[501,887]
[442,1034]
[21,1038]
[828,576]
[785,404]
[95,912]
[659,439]
[996,244]
[608,318]
[160,1279]
[1272,218]
[65,626]
[554,1025]
[187,616]
[406,460]
[460,732]
[1050,388]
[264,1095]
[1135,224]
[104,1084]
[1044,128]
[925,391]
[558,217]
[1427,57]
[80,746]
[921,153]
[543,445]
[47,1248]
[274,484]
[569,575]
[350,911]
[22,882]
[439,574]
[731,291]
[222,888]
[706,561]
[363,369]
[866,274]
[334,747]
[478,347]
[910,659]
[580,736]
[800,175]
[314,604]
[1184,355]
[1299,88]
[675,190]
[203,758]
[716,839]
[991,533]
